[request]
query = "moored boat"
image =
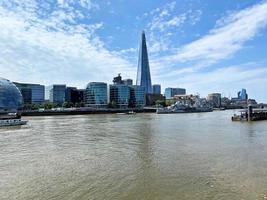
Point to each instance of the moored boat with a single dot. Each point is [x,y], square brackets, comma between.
[11,119]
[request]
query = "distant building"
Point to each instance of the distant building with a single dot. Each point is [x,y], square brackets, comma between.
[151,99]
[96,94]
[137,96]
[127,81]
[171,92]
[74,95]
[242,95]
[57,94]
[215,100]
[119,95]
[32,93]
[10,96]
[143,72]
[117,80]
[156,89]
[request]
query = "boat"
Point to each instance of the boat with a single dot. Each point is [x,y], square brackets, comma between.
[180,108]
[127,113]
[11,119]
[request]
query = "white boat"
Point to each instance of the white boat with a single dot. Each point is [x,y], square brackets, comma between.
[12,122]
[11,119]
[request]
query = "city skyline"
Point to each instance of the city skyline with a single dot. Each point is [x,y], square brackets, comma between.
[190,45]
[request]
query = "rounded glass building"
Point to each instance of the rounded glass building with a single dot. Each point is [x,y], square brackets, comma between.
[10,96]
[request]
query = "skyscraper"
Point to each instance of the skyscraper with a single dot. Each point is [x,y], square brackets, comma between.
[143,71]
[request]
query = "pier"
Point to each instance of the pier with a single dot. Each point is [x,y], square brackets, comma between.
[251,114]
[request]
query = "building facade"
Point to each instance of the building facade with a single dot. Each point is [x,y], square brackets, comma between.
[127,81]
[10,96]
[137,96]
[74,95]
[215,100]
[171,92]
[143,72]
[96,94]
[57,94]
[242,95]
[119,95]
[156,89]
[32,93]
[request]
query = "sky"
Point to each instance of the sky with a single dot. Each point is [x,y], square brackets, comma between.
[204,46]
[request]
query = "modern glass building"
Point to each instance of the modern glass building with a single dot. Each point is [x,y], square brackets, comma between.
[156,89]
[242,95]
[74,95]
[96,94]
[171,92]
[57,94]
[137,96]
[120,95]
[32,93]
[10,96]
[143,72]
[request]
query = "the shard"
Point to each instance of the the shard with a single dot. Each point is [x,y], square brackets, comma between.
[143,71]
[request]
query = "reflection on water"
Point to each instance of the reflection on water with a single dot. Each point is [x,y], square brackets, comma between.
[145,156]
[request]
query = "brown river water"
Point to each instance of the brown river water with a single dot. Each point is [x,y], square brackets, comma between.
[136,157]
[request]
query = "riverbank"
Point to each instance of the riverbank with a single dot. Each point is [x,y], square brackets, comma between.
[85,111]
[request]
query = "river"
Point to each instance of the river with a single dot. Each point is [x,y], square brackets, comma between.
[135,157]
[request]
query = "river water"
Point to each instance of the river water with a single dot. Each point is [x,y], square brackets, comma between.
[135,157]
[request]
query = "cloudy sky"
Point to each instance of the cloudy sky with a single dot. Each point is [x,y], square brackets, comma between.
[203,45]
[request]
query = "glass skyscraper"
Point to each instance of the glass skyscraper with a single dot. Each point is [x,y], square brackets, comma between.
[242,95]
[143,72]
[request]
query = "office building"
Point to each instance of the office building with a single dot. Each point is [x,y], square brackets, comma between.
[10,96]
[156,89]
[74,95]
[32,93]
[96,94]
[143,72]
[171,92]
[57,94]
[127,81]
[242,95]
[215,100]
[137,96]
[119,95]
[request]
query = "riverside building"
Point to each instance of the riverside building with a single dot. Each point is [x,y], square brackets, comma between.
[119,95]
[137,96]
[96,94]
[57,94]
[215,100]
[10,96]
[171,92]
[74,95]
[31,93]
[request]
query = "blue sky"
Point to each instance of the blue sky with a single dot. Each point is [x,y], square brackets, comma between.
[203,45]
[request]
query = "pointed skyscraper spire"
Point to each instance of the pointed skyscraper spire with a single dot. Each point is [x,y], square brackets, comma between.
[143,72]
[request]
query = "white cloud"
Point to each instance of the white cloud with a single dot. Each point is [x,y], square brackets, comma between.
[50,50]
[226,38]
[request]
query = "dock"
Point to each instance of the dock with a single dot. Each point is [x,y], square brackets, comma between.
[251,114]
